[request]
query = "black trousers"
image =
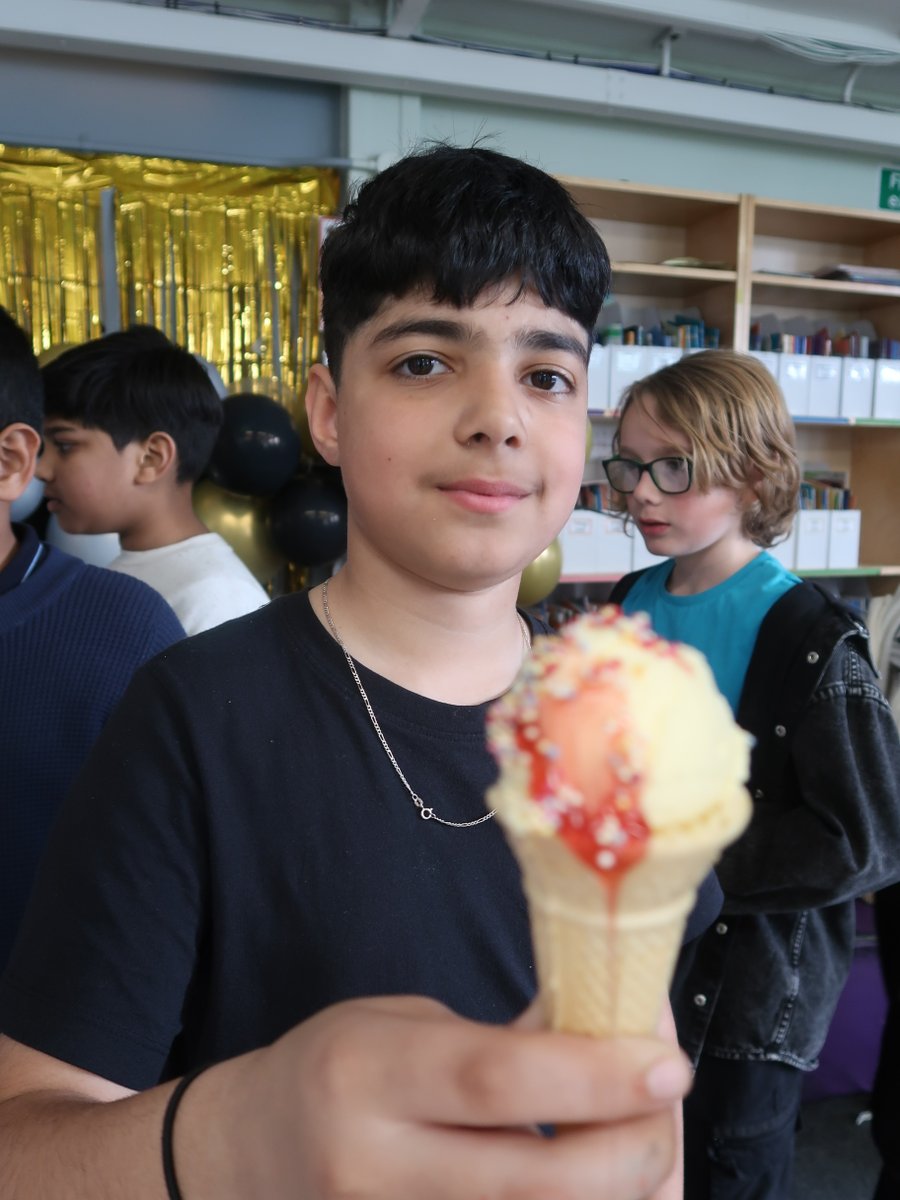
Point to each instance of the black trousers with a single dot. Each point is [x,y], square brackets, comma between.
[739,1123]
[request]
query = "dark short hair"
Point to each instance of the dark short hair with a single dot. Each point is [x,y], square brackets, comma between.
[134,383]
[21,389]
[457,221]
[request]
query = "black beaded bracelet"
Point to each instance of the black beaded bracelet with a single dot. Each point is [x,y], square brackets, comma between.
[168,1161]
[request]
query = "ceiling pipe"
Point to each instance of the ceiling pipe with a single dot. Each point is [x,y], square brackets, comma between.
[664,41]
[851,80]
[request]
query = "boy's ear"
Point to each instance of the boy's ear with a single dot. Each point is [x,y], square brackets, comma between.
[19,447]
[321,413]
[157,456]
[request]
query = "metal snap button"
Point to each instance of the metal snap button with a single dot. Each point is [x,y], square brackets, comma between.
[812,657]
[780,731]
[700,1000]
[721,927]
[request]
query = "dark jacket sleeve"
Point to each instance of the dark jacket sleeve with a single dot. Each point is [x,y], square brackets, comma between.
[824,781]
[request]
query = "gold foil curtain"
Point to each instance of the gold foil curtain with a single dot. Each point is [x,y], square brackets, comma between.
[50,227]
[222,259]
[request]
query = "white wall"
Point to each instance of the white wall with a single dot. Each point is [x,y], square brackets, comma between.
[385,124]
[670,156]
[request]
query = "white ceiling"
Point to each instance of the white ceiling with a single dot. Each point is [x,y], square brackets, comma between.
[811,71]
[808,48]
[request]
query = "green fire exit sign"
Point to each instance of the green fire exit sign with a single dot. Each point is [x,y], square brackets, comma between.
[889,196]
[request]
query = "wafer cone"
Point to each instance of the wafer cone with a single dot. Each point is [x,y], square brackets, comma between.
[605,949]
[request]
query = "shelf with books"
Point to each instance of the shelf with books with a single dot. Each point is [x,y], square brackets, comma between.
[672,246]
[731,257]
[790,247]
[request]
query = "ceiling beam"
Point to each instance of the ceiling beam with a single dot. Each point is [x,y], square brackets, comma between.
[225,43]
[863,27]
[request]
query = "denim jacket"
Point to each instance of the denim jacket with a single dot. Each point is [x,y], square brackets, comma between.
[764,980]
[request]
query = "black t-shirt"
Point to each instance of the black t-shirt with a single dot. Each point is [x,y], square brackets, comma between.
[239,853]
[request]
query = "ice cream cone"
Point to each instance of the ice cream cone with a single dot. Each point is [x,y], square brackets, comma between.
[614,812]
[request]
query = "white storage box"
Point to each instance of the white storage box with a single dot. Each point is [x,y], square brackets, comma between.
[641,556]
[598,379]
[812,539]
[843,538]
[769,360]
[786,551]
[626,364]
[595,544]
[857,386]
[661,356]
[824,386]
[793,375]
[886,396]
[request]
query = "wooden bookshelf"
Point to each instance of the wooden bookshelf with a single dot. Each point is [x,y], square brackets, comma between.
[758,255]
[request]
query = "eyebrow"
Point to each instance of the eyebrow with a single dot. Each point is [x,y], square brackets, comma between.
[547,339]
[461,331]
[454,331]
[52,427]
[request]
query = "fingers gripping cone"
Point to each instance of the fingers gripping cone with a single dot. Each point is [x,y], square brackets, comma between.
[621,780]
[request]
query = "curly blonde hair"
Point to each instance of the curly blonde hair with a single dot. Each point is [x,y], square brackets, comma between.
[733,414]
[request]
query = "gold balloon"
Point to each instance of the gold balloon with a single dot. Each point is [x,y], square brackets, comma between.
[588,440]
[541,577]
[241,521]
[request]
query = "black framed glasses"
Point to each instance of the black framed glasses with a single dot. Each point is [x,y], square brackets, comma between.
[672,474]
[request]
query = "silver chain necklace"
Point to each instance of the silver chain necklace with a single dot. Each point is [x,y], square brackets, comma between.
[426,813]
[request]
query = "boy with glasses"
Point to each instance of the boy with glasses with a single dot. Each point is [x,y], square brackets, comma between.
[706,469]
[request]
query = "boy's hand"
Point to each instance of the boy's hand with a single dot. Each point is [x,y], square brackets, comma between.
[399,1099]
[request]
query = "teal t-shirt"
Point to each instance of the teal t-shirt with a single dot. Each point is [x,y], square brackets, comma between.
[722,622]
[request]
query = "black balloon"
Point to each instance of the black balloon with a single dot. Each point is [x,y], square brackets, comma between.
[308,519]
[258,448]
